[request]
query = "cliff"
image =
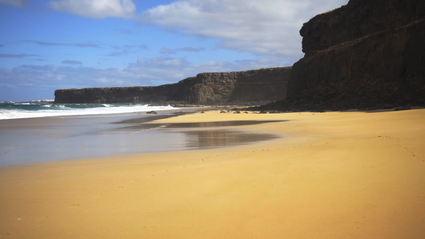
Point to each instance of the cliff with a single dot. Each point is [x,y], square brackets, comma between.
[364,55]
[242,87]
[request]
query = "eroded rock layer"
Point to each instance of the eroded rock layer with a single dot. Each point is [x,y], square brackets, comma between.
[242,87]
[364,55]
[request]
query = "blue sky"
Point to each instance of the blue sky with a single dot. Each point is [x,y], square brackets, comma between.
[46,45]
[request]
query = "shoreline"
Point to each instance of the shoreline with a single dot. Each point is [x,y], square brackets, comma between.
[17,111]
[29,141]
[334,175]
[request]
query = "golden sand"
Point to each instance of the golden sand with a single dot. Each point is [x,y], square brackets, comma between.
[332,175]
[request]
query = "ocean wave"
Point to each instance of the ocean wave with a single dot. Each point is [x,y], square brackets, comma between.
[20,111]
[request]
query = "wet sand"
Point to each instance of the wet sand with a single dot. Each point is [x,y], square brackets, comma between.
[331,175]
[26,141]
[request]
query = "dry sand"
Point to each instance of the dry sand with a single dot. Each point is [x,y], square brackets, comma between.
[334,175]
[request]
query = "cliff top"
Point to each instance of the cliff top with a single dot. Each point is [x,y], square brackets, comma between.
[357,19]
[200,75]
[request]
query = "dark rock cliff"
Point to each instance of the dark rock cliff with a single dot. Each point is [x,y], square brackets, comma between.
[242,87]
[364,55]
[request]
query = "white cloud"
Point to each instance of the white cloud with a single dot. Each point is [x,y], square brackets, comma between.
[14,3]
[165,50]
[42,43]
[16,55]
[124,31]
[96,8]
[125,50]
[192,49]
[264,27]
[72,62]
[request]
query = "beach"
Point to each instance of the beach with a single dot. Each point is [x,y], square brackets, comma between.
[324,175]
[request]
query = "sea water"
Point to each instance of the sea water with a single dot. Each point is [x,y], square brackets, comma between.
[28,135]
[47,108]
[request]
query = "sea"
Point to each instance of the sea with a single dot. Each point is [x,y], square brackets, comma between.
[47,108]
[41,131]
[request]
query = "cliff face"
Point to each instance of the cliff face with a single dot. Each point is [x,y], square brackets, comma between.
[255,86]
[364,55]
[114,94]
[357,19]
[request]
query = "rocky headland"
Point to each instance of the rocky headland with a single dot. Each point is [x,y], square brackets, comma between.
[243,87]
[365,55]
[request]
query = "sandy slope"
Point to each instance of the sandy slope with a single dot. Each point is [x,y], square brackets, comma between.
[333,175]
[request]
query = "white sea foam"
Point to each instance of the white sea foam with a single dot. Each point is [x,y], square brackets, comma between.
[74,110]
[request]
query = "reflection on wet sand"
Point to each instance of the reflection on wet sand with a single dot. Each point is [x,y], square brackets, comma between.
[220,138]
[140,124]
[141,120]
[219,123]
[203,138]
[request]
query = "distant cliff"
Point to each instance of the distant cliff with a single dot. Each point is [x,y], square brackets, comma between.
[364,55]
[242,87]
